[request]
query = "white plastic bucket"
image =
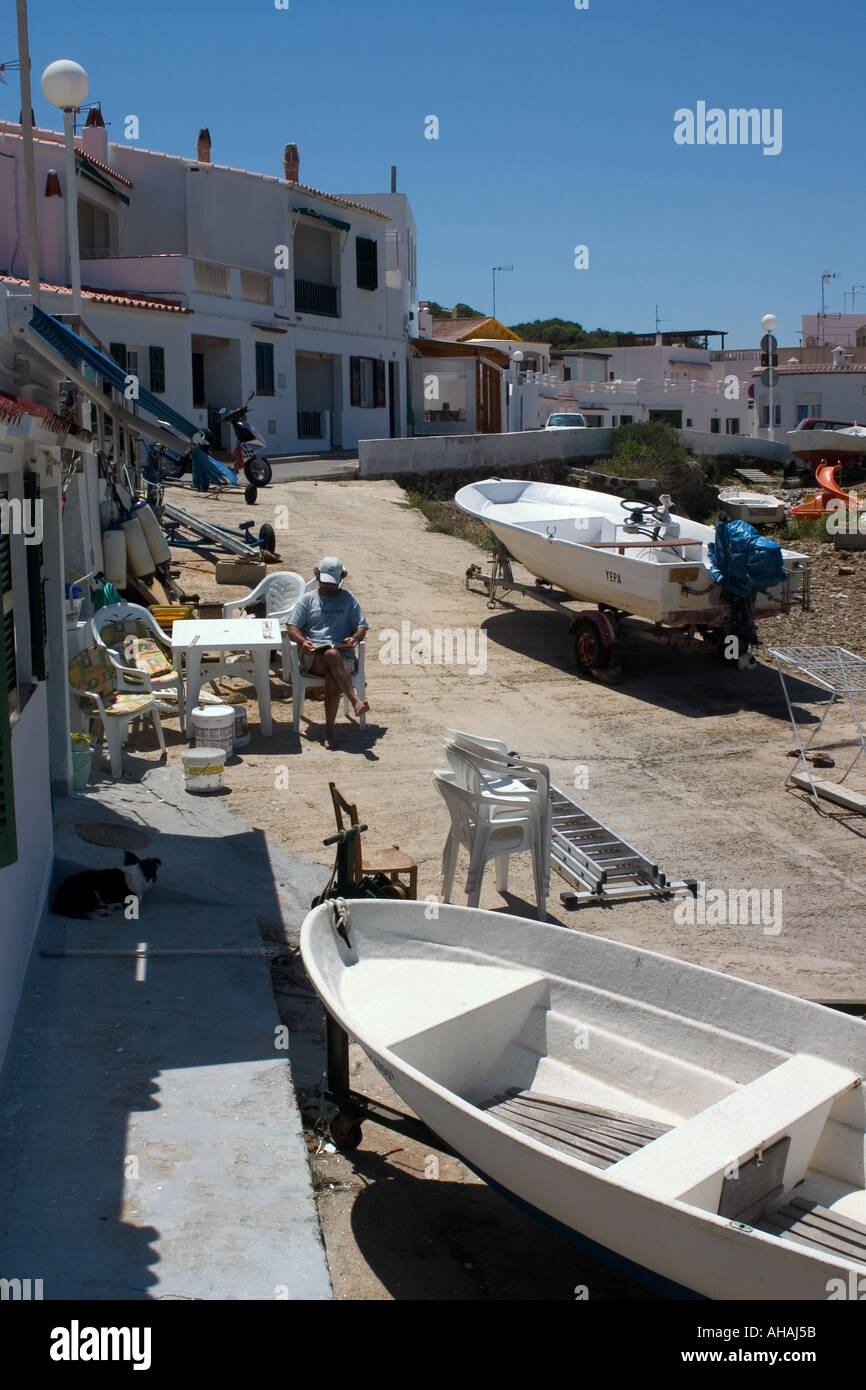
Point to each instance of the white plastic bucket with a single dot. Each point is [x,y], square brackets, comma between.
[213,726]
[242,729]
[153,533]
[203,769]
[114,556]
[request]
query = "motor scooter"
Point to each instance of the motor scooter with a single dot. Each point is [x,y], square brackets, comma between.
[248,445]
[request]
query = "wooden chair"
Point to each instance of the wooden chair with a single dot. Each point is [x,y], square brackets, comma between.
[384,860]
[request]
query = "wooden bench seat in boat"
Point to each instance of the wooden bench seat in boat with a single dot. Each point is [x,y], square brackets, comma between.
[598,1136]
[690,1162]
[808,1223]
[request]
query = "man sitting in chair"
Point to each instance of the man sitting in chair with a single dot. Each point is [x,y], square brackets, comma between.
[328,623]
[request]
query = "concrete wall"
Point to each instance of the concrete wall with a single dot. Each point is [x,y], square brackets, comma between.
[23,885]
[387,458]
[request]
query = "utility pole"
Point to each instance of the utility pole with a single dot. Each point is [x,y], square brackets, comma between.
[29,163]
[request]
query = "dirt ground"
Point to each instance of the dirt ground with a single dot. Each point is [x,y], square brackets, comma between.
[685,758]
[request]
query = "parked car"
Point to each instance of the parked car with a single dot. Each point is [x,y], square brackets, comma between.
[566,422]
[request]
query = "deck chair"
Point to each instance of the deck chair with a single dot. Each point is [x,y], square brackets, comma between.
[386,860]
[100,688]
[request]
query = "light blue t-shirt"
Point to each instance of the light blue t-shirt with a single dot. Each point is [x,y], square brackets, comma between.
[327,618]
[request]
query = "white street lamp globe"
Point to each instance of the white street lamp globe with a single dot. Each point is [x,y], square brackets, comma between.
[65,84]
[769,322]
[517,356]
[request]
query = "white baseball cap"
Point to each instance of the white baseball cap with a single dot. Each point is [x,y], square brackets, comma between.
[330,570]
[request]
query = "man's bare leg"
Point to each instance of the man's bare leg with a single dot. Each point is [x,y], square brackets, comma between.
[330,664]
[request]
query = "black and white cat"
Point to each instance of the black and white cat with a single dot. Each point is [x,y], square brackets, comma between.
[101,891]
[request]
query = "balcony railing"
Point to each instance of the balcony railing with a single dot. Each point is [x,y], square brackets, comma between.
[256,287]
[312,298]
[209,278]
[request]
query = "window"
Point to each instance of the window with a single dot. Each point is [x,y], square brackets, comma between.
[732,425]
[626,419]
[566,374]
[156,357]
[765,416]
[688,424]
[715,425]
[198,396]
[264,369]
[36,589]
[367,382]
[614,421]
[805,411]
[367,263]
[594,422]
[95,229]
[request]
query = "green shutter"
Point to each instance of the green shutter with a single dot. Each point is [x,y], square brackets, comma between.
[157,369]
[366,263]
[118,352]
[8,705]
[355,379]
[7,627]
[379,369]
[36,587]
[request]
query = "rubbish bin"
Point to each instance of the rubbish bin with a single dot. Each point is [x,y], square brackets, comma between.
[82,761]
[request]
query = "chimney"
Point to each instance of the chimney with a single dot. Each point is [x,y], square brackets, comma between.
[52,185]
[94,137]
[291,164]
[454,313]
[202,146]
[393,178]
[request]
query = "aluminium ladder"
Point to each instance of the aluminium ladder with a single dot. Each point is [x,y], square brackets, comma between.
[598,863]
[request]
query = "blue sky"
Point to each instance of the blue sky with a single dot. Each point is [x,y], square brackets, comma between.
[555,129]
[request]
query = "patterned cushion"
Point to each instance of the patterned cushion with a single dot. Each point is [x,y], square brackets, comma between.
[91,670]
[145,655]
[124,703]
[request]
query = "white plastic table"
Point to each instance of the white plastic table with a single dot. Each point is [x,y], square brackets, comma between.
[191,638]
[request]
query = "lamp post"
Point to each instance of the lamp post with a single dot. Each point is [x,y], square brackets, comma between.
[29,167]
[495,268]
[768,323]
[517,357]
[65,84]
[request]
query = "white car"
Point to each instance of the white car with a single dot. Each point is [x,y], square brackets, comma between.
[566,422]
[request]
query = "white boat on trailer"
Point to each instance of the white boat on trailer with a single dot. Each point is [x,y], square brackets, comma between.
[702,1130]
[630,558]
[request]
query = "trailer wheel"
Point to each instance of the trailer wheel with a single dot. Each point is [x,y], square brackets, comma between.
[345,1131]
[251,492]
[590,653]
[268,538]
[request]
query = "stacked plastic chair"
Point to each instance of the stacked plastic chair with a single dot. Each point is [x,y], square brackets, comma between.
[499,805]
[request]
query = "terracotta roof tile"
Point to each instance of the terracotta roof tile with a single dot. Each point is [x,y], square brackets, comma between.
[106,169]
[807,368]
[452,330]
[128,301]
[13,409]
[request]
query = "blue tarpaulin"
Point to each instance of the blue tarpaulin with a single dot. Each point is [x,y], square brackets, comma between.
[742,560]
[76,350]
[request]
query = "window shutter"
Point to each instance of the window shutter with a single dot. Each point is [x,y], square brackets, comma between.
[264,369]
[36,587]
[379,368]
[156,357]
[366,262]
[118,352]
[7,629]
[355,378]
[8,707]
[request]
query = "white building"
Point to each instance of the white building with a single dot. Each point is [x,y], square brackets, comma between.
[218,281]
[40,537]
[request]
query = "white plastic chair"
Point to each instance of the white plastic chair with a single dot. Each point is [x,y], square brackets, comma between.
[490,827]
[301,681]
[503,773]
[102,688]
[137,645]
[279,591]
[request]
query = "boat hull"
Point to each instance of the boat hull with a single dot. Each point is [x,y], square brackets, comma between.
[827,444]
[676,1239]
[541,526]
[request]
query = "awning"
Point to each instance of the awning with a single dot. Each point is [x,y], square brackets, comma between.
[320,217]
[76,350]
[89,171]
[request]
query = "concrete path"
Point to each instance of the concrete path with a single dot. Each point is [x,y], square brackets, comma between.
[151,1144]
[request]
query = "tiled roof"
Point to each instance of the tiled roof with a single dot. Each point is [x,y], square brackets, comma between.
[128,301]
[13,409]
[98,164]
[453,330]
[807,369]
